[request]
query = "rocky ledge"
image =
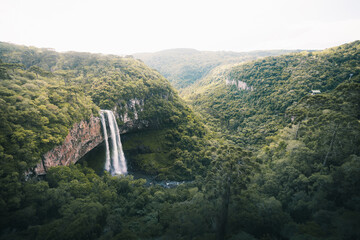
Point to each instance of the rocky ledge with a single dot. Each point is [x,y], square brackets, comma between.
[128,114]
[82,137]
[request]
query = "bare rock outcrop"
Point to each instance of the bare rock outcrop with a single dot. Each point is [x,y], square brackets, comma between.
[129,116]
[83,137]
[239,84]
[86,135]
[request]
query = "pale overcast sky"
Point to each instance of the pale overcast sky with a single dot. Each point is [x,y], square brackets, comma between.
[129,26]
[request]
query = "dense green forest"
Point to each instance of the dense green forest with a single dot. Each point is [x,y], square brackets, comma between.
[185,66]
[267,161]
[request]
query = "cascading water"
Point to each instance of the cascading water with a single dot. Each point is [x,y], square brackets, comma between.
[115,159]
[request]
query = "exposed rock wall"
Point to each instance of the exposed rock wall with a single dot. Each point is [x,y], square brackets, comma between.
[82,137]
[129,115]
[85,136]
[239,84]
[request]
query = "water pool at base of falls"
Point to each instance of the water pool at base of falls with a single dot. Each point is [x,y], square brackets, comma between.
[95,159]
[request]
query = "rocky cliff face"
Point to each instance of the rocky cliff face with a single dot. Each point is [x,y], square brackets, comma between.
[85,136]
[239,84]
[129,115]
[82,137]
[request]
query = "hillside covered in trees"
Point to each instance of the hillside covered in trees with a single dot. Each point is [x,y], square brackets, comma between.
[185,66]
[249,101]
[263,158]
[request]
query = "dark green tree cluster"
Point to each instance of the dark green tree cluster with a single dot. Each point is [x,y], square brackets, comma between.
[75,203]
[172,152]
[311,167]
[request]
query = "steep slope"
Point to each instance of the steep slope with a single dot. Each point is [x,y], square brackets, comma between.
[36,114]
[311,170]
[184,66]
[140,97]
[307,146]
[248,101]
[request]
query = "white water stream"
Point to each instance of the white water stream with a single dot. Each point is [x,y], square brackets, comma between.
[115,159]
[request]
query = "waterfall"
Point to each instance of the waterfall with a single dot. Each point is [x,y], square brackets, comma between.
[115,162]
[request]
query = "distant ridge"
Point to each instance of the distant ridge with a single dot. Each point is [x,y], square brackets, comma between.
[184,66]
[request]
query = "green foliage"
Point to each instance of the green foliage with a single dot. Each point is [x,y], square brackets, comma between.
[176,152]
